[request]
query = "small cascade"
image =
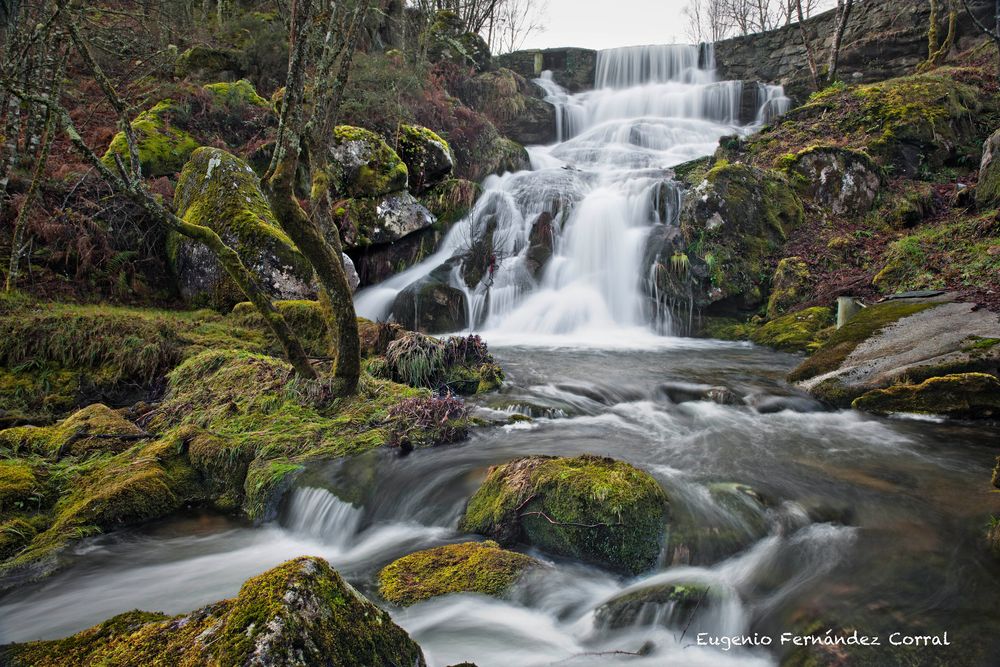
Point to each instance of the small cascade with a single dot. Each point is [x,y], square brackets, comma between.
[567,248]
[319,515]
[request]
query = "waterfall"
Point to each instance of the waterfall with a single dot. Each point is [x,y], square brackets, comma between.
[569,239]
[320,515]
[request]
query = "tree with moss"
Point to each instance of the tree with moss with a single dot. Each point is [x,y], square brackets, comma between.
[323,40]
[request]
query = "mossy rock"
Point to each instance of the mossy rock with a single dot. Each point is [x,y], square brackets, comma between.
[801,331]
[733,220]
[14,536]
[858,329]
[451,201]
[300,612]
[363,165]
[671,605]
[973,395]
[471,567]
[163,148]
[594,509]
[431,305]
[428,158]
[236,95]
[446,41]
[17,484]
[788,286]
[220,191]
[206,62]
[725,328]
[845,181]
[87,431]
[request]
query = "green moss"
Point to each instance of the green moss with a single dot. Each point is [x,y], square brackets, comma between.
[451,201]
[472,567]
[14,535]
[591,508]
[680,600]
[300,612]
[860,328]
[726,328]
[978,344]
[72,437]
[305,318]
[163,148]
[788,286]
[220,191]
[205,59]
[364,165]
[17,484]
[801,331]
[692,173]
[236,95]
[974,395]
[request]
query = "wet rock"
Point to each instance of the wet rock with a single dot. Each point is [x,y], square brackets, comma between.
[472,567]
[221,192]
[590,508]
[431,304]
[514,104]
[352,273]
[670,605]
[972,395]
[573,69]
[684,392]
[899,344]
[767,404]
[386,234]
[428,157]
[363,165]
[300,612]
[540,244]
[739,520]
[398,215]
[846,182]
[988,188]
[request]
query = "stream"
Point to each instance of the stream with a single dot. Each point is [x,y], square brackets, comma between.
[864,521]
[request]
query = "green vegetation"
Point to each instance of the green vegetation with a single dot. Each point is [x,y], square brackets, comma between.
[801,331]
[974,395]
[592,508]
[236,95]
[300,611]
[472,567]
[163,147]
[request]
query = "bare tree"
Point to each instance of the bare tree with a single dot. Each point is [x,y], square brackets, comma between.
[994,32]
[843,16]
[807,35]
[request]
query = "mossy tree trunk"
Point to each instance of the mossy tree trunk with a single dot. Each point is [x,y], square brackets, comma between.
[315,233]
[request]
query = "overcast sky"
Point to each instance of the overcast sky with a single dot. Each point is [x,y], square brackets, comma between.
[602,24]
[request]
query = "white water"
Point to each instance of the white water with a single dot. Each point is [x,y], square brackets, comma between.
[603,182]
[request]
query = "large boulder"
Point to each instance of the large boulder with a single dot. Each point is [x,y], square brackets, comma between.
[799,331]
[882,358]
[988,189]
[447,41]
[432,304]
[221,192]
[472,567]
[363,165]
[162,146]
[737,216]
[844,181]
[428,157]
[298,613]
[205,62]
[590,508]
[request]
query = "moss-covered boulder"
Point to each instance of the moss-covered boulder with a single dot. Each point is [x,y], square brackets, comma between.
[590,508]
[220,191]
[471,567]
[514,104]
[671,605]
[988,187]
[801,331]
[163,147]
[94,429]
[451,201]
[236,95]
[489,153]
[844,181]
[205,62]
[374,221]
[446,40]
[17,484]
[300,612]
[363,165]
[733,220]
[788,286]
[971,395]
[428,157]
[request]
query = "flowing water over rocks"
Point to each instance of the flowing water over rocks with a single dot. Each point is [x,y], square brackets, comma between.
[560,250]
[784,513]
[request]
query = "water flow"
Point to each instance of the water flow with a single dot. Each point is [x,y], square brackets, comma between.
[569,236]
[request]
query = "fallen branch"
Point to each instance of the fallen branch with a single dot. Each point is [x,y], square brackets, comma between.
[570,523]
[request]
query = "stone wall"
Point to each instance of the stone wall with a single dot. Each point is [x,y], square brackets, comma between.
[884,39]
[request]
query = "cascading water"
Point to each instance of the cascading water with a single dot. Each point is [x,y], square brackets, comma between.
[568,237]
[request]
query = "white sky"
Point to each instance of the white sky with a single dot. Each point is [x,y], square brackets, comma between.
[602,24]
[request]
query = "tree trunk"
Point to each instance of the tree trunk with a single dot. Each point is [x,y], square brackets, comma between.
[807,41]
[843,15]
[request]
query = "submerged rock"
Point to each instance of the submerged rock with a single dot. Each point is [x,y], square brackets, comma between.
[671,605]
[298,613]
[472,567]
[590,508]
[220,191]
